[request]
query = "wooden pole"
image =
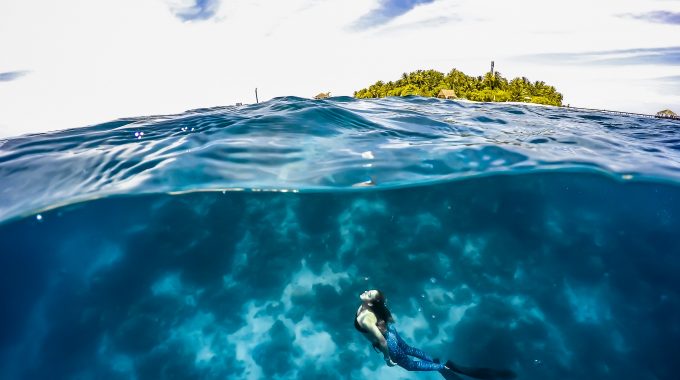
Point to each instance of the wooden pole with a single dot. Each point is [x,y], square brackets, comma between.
[256,99]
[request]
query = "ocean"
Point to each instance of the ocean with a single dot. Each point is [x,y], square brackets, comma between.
[233,242]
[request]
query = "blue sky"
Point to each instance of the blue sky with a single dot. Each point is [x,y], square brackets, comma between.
[11,75]
[386,11]
[82,63]
[660,56]
[195,10]
[664,17]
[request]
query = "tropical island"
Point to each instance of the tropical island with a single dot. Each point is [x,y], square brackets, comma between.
[492,87]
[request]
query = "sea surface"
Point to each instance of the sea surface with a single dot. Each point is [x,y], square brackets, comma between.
[233,242]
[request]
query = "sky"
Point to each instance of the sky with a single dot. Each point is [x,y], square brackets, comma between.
[74,63]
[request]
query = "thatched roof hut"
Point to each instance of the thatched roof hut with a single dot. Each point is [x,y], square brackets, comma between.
[323,95]
[447,94]
[666,113]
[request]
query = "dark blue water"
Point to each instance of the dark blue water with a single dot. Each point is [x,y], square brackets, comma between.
[233,242]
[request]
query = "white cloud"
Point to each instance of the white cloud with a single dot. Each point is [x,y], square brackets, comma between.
[95,61]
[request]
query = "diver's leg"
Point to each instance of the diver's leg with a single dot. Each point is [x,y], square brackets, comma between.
[400,355]
[393,345]
[412,351]
[411,364]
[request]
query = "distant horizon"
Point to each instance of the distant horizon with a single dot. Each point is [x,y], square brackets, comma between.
[246,103]
[72,63]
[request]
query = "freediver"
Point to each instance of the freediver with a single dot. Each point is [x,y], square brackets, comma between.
[374,320]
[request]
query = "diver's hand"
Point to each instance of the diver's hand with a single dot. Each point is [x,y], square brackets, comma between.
[389,361]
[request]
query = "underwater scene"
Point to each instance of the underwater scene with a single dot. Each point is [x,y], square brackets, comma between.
[234,242]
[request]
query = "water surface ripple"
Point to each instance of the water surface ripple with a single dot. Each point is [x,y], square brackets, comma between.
[299,144]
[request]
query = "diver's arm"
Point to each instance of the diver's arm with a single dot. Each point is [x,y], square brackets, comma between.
[368,321]
[378,337]
[380,340]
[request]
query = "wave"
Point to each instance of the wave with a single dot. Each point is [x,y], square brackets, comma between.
[296,144]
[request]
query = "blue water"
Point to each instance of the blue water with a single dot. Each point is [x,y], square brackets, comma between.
[233,242]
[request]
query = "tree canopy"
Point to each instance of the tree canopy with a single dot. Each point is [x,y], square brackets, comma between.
[487,88]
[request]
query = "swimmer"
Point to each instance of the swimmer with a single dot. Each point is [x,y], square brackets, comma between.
[373,319]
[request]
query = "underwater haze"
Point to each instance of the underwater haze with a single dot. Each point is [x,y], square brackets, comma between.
[233,242]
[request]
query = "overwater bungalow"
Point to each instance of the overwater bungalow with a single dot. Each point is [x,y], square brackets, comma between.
[447,94]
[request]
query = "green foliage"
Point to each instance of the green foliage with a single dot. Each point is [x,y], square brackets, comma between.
[487,88]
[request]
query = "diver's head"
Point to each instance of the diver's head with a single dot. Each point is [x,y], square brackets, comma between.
[373,295]
[375,299]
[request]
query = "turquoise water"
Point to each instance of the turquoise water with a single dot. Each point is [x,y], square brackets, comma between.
[233,242]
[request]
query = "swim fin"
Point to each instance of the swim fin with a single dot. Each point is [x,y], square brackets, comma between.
[449,374]
[481,373]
